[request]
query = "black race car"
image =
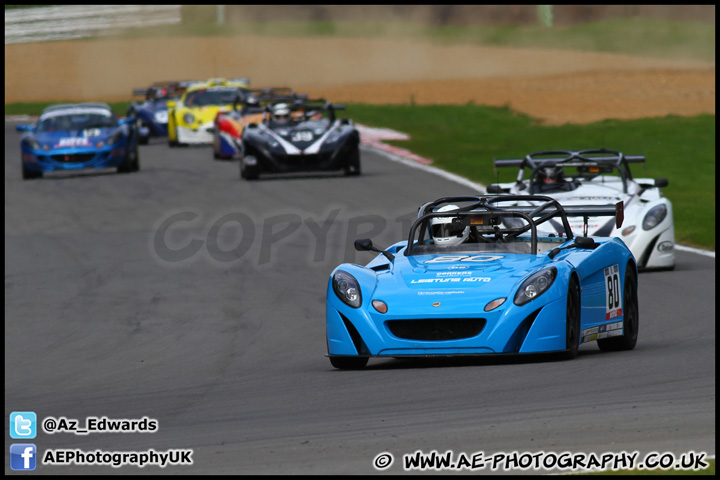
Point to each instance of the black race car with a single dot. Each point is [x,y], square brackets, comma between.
[248,108]
[302,136]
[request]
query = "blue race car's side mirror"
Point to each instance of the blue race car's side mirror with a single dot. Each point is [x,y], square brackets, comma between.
[363,244]
[586,243]
[25,128]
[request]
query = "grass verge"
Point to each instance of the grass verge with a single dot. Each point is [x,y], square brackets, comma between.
[465,140]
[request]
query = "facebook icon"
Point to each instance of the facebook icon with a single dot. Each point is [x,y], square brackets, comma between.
[22,456]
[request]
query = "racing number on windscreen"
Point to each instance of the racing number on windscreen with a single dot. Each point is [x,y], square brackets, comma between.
[613,292]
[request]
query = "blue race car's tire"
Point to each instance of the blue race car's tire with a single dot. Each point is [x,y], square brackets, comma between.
[349,363]
[631,318]
[28,174]
[572,322]
[136,163]
[131,163]
[143,139]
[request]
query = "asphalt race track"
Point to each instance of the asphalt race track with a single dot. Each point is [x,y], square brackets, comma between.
[182,294]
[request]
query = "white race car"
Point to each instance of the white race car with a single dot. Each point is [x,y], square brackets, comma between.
[602,177]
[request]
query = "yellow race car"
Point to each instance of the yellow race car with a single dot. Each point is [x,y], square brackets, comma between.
[191,118]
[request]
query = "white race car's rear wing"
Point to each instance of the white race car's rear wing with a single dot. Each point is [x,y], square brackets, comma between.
[570,159]
[591,162]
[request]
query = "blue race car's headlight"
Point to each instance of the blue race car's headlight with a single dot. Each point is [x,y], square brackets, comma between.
[654,217]
[32,143]
[189,118]
[161,116]
[535,285]
[114,137]
[347,288]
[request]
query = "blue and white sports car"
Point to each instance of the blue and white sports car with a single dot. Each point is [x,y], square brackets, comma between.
[152,113]
[481,276]
[78,136]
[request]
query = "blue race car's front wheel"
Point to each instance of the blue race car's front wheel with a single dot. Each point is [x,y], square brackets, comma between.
[349,363]
[631,318]
[572,322]
[28,174]
[131,162]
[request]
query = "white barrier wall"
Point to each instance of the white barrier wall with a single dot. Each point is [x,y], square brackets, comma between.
[67,22]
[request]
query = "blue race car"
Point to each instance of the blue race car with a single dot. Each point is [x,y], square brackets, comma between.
[480,276]
[78,136]
[151,114]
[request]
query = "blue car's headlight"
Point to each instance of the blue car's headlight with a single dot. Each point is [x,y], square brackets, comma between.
[347,288]
[114,138]
[32,143]
[535,285]
[161,116]
[654,217]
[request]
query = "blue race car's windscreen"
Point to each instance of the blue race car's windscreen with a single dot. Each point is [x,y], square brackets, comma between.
[58,122]
[482,232]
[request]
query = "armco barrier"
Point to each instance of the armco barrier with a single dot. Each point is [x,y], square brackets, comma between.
[75,21]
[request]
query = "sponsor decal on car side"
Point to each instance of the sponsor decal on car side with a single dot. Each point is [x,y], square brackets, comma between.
[602,331]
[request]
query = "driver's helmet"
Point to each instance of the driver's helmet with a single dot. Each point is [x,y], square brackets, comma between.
[447,231]
[252,101]
[281,112]
[551,175]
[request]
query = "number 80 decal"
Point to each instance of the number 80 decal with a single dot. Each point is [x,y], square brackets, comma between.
[613,293]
